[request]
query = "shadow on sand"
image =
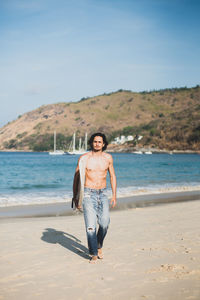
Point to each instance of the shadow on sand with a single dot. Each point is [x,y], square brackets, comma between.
[66,240]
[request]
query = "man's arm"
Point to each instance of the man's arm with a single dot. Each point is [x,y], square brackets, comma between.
[113,182]
[75,185]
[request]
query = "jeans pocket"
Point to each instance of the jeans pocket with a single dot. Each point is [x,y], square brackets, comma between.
[86,197]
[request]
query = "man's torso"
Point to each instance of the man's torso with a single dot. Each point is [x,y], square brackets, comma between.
[96,170]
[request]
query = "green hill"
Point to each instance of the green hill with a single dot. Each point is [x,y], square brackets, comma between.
[167,119]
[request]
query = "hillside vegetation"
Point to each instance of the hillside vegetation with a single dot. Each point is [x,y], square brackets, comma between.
[167,119]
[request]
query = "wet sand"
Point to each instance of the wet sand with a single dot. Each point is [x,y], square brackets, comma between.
[64,209]
[149,253]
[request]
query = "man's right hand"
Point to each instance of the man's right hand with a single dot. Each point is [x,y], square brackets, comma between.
[75,201]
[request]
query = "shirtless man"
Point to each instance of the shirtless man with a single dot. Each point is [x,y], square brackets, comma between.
[95,200]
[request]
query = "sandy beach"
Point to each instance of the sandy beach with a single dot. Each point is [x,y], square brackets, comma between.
[149,253]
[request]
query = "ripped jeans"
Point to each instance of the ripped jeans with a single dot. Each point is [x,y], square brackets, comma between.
[96,210]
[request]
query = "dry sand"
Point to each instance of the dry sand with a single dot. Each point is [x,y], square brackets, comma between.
[149,253]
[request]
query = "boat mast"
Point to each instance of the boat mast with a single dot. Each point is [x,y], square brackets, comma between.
[86,141]
[74,140]
[54,141]
[80,140]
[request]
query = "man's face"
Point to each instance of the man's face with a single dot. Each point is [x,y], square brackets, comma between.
[98,143]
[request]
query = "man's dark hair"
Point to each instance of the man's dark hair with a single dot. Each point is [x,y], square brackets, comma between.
[103,137]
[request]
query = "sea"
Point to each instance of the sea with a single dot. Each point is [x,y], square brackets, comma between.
[38,178]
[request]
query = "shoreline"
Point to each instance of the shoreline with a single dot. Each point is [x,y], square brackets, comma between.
[122,192]
[123,203]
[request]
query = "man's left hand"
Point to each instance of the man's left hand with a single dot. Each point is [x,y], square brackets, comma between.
[113,202]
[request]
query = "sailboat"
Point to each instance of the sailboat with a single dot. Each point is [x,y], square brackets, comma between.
[56,152]
[82,149]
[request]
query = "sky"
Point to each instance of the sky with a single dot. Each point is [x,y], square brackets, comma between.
[64,50]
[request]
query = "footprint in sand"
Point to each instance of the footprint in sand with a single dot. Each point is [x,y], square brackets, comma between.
[173,270]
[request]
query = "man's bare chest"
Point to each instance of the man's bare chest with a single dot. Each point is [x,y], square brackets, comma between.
[97,164]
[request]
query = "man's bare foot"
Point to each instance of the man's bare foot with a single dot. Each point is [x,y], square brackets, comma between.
[93,260]
[100,254]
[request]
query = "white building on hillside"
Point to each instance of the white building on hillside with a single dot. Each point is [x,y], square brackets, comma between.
[123,139]
[130,138]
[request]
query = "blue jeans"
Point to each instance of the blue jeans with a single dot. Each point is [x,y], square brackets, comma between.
[96,210]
